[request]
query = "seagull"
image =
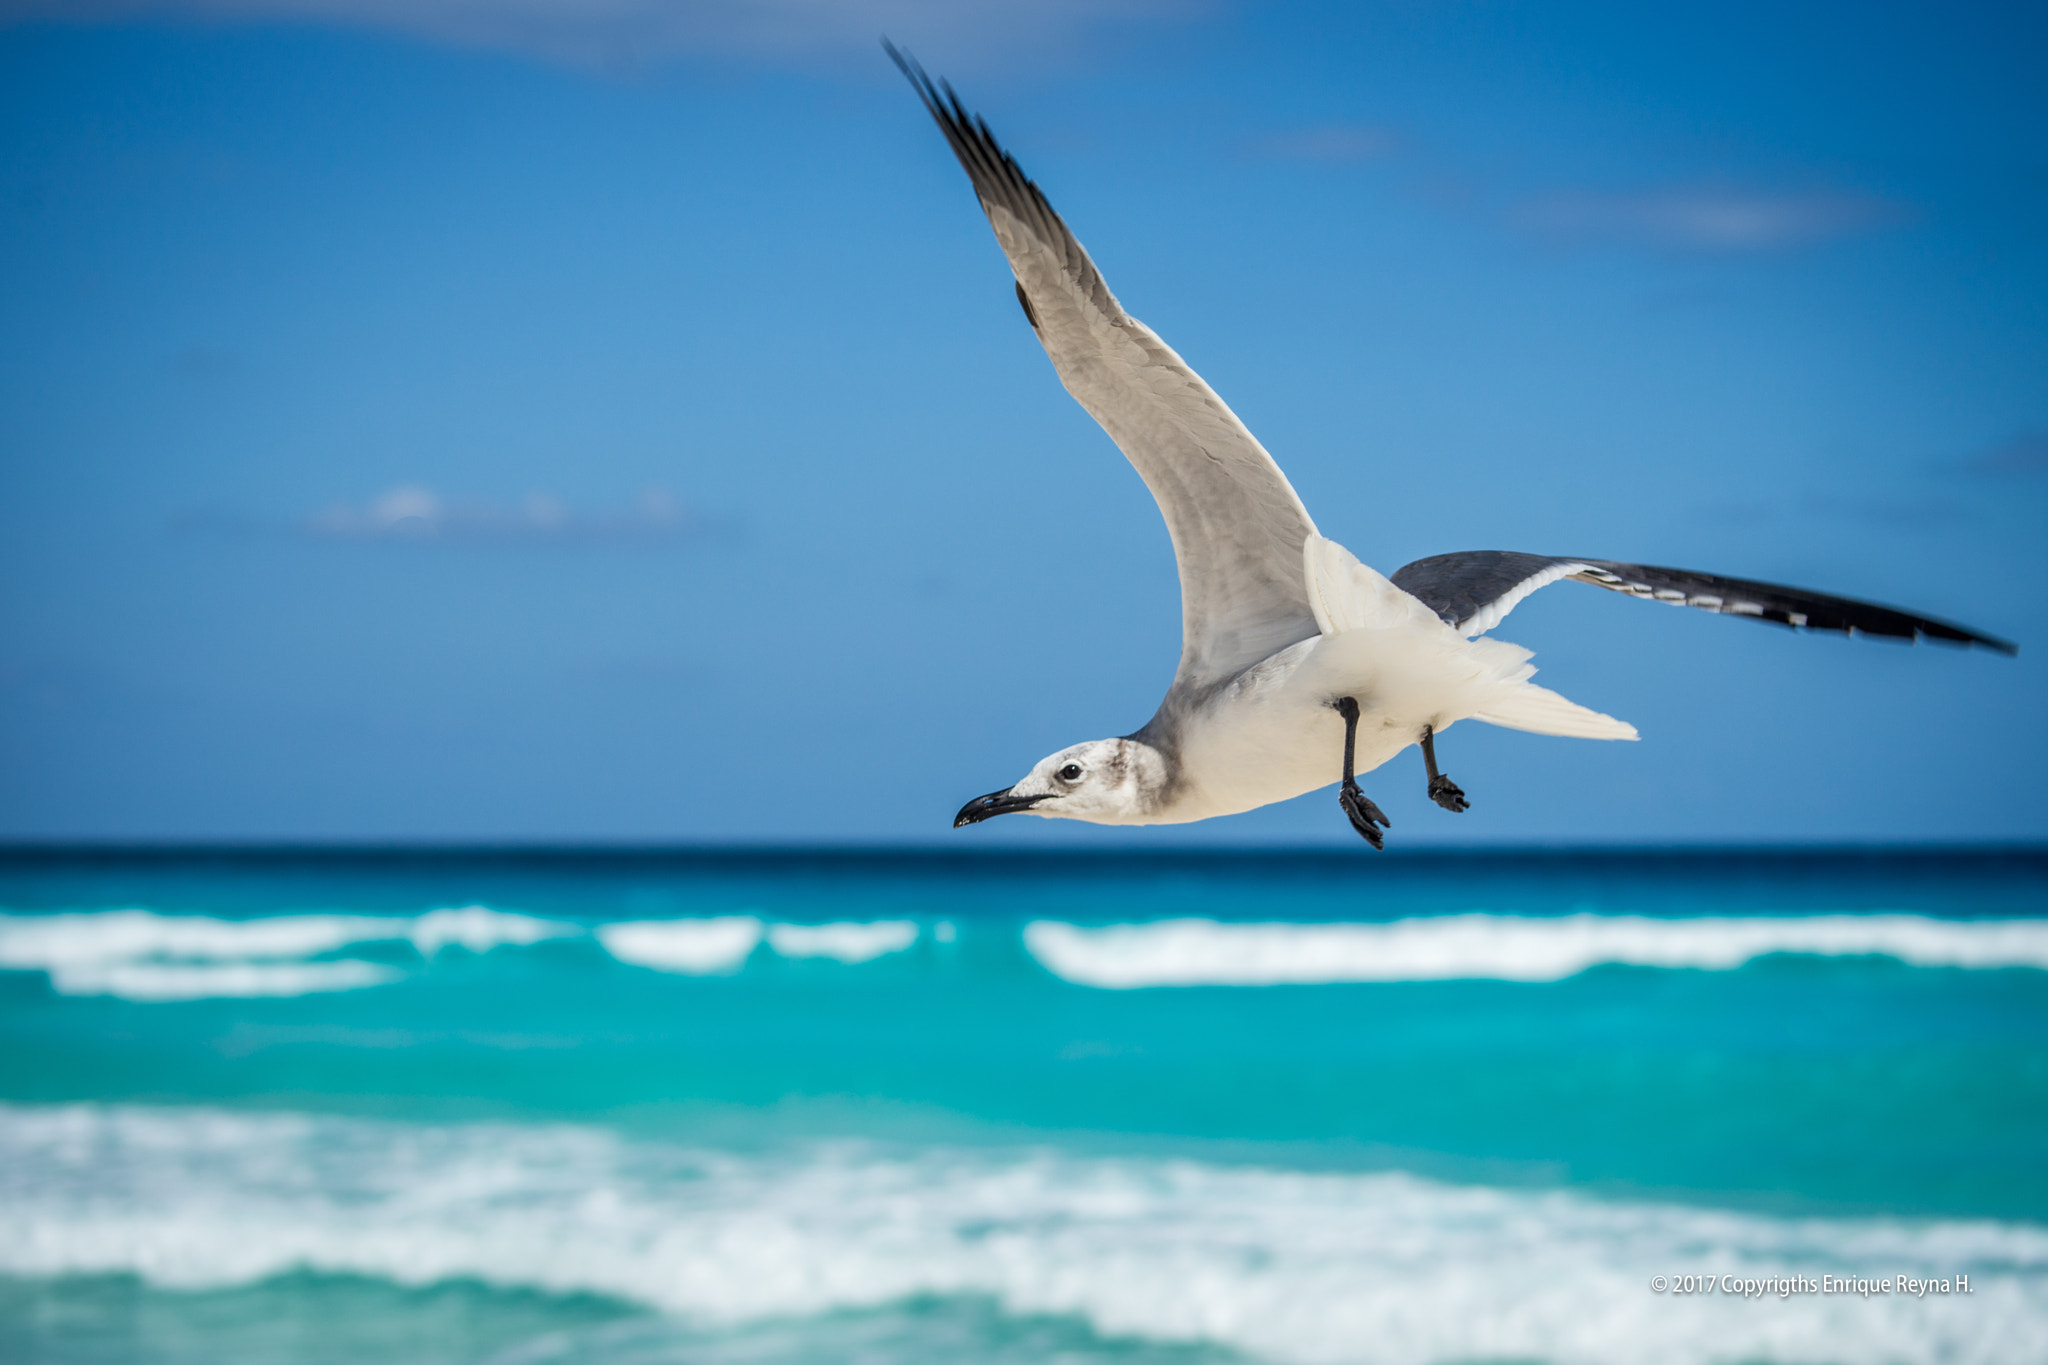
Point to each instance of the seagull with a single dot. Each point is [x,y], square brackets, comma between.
[1299,665]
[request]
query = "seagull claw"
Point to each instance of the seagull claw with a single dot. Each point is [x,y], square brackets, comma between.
[1365,817]
[1448,794]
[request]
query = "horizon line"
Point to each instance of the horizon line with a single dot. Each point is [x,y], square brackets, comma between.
[652,850]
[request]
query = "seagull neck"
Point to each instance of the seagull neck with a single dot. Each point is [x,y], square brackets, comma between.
[1154,767]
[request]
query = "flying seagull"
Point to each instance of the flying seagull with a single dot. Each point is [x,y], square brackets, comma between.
[1299,665]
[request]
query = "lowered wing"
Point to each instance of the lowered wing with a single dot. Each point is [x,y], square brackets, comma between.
[1236,523]
[1474,590]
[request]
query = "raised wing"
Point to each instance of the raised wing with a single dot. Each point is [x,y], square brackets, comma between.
[1474,590]
[1236,523]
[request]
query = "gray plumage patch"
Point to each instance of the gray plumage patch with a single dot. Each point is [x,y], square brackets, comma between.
[1030,314]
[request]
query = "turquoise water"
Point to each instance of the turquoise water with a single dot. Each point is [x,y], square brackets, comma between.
[893,1107]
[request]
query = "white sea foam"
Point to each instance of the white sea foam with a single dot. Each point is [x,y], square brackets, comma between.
[697,947]
[480,929]
[47,941]
[161,981]
[1300,1268]
[847,942]
[142,955]
[1199,952]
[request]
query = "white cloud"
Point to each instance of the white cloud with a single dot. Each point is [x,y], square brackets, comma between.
[411,512]
[632,33]
[1703,219]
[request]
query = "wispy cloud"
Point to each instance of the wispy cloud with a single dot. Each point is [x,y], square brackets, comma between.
[2025,454]
[632,33]
[1703,219]
[414,513]
[1335,142]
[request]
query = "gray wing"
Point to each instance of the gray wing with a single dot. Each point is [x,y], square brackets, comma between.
[1474,590]
[1236,523]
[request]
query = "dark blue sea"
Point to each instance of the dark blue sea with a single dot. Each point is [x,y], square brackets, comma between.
[529,1107]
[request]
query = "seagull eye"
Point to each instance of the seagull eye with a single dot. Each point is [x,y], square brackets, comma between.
[1070,772]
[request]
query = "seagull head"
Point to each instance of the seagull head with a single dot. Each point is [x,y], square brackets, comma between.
[1107,781]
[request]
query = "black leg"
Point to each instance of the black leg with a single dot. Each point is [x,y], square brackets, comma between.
[1365,817]
[1442,790]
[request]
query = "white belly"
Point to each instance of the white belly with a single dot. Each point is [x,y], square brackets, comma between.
[1272,734]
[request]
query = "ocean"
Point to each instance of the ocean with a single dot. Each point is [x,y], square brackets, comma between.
[540,1106]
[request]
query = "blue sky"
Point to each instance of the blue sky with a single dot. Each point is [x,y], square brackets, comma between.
[457,421]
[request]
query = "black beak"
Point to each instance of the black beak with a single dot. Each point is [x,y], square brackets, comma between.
[995,803]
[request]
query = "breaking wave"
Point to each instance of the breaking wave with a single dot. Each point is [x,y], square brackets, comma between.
[141,955]
[1200,952]
[1306,1268]
[703,947]
[145,956]
[697,947]
[165,981]
[845,941]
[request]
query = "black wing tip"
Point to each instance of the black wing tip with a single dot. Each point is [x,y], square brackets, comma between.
[1990,642]
[934,93]
[1839,615]
[1772,603]
[1908,630]
[1934,632]
[941,100]
[1917,628]
[912,69]
[988,164]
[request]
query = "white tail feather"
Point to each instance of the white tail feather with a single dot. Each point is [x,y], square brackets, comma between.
[1348,596]
[1525,706]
